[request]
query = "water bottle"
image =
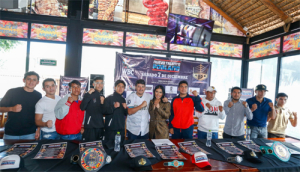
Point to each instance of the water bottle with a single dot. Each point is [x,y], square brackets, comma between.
[248,132]
[117,142]
[209,136]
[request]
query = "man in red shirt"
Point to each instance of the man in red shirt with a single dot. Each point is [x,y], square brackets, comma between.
[69,117]
[181,121]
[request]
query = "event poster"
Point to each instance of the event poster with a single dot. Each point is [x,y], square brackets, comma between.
[138,149]
[226,49]
[250,145]
[21,149]
[85,145]
[141,40]
[266,48]
[64,85]
[48,32]
[246,94]
[188,49]
[52,151]
[162,71]
[230,148]
[169,152]
[102,37]
[291,42]
[13,29]
[191,147]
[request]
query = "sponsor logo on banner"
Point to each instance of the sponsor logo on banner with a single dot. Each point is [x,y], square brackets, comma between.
[200,72]
[166,65]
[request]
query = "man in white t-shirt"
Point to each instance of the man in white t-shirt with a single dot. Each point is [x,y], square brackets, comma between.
[138,115]
[209,119]
[44,111]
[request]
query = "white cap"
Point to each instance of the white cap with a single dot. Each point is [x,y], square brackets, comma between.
[211,89]
[10,162]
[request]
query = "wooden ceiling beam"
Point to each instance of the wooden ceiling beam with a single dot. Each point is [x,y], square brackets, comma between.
[245,10]
[242,4]
[277,11]
[222,13]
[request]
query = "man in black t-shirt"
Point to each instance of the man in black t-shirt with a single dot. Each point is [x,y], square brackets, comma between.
[20,104]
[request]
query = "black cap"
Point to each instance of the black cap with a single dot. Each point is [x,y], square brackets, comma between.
[261,87]
[251,156]
[141,163]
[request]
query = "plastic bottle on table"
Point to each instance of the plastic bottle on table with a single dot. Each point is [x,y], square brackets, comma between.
[209,136]
[248,132]
[117,142]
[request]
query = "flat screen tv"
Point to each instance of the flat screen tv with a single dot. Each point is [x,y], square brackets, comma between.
[191,31]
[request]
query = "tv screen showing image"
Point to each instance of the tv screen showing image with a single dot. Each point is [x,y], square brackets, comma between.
[191,31]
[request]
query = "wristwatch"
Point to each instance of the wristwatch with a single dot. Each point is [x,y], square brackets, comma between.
[277,149]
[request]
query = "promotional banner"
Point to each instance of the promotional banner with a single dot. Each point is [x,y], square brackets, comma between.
[188,49]
[291,42]
[102,37]
[64,85]
[247,93]
[140,40]
[226,49]
[266,48]
[161,71]
[48,32]
[13,29]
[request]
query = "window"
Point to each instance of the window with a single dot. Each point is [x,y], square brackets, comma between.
[48,60]
[146,54]
[102,64]
[189,58]
[225,74]
[289,83]
[15,6]
[263,72]
[12,64]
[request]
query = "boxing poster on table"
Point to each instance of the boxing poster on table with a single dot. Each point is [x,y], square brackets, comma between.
[162,71]
[64,85]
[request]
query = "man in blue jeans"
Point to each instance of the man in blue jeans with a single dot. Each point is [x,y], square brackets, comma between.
[44,111]
[19,103]
[262,108]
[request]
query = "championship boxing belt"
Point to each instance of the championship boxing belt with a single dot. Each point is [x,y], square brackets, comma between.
[174,163]
[277,149]
[93,159]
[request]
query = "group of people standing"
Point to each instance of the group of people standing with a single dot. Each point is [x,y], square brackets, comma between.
[143,116]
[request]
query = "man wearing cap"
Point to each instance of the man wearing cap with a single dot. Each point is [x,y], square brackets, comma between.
[262,108]
[236,110]
[213,111]
[277,126]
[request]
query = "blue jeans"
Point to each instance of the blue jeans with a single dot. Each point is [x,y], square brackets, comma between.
[22,137]
[49,135]
[258,132]
[203,135]
[133,137]
[71,137]
[183,133]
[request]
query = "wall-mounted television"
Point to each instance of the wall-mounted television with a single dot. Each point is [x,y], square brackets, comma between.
[191,31]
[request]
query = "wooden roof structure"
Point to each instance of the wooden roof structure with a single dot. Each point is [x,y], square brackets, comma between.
[254,17]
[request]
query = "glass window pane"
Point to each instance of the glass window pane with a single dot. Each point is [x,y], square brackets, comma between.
[107,10]
[225,74]
[47,51]
[146,54]
[15,6]
[183,57]
[12,64]
[289,83]
[91,64]
[201,59]
[263,72]
[50,7]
